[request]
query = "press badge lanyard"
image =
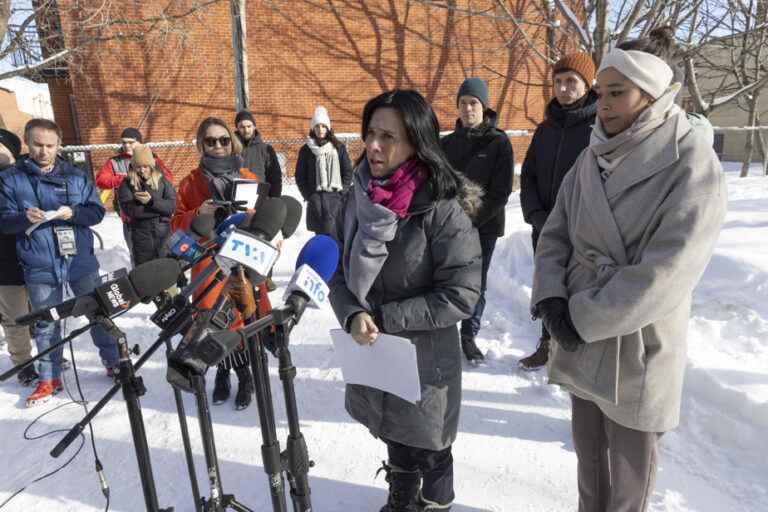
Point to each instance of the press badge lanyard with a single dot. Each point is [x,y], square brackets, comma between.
[65,235]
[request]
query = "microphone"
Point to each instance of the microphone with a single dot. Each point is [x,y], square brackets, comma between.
[184,245]
[141,284]
[293,216]
[315,265]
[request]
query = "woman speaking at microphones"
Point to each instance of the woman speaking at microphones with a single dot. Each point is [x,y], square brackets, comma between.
[213,181]
[410,267]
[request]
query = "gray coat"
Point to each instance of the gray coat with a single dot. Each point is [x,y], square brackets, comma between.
[429,282]
[627,254]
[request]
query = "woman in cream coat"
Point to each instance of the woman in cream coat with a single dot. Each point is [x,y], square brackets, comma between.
[633,228]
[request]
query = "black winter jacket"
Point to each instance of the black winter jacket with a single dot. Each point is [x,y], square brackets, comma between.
[556,144]
[323,208]
[260,158]
[484,155]
[150,223]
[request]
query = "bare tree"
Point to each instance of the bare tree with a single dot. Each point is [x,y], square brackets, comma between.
[36,43]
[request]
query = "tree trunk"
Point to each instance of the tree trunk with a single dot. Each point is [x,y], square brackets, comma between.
[5,15]
[749,145]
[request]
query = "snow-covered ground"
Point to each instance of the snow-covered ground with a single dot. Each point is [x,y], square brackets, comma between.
[514,450]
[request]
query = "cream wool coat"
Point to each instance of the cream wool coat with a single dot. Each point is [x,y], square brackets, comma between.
[627,254]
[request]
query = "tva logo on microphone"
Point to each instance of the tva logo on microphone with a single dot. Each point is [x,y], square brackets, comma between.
[251,252]
[306,280]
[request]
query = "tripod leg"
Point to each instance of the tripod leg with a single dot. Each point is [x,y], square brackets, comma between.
[270,448]
[209,444]
[297,457]
[185,438]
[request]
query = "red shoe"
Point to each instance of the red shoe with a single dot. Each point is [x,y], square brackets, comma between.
[44,391]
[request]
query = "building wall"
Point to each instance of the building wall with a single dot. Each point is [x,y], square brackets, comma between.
[301,54]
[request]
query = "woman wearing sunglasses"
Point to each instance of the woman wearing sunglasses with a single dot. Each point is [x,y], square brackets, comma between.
[220,165]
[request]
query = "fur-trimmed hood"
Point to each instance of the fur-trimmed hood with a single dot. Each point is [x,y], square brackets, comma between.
[470,196]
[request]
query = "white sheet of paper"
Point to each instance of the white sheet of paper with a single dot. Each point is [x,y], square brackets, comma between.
[247,190]
[389,364]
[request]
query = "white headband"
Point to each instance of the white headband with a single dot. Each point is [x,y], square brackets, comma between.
[648,72]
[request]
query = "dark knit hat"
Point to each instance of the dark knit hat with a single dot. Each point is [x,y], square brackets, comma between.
[11,141]
[580,62]
[132,133]
[244,115]
[474,87]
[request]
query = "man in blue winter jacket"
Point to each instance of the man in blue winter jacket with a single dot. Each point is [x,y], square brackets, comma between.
[50,205]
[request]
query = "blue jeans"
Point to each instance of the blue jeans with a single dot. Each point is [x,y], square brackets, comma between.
[49,333]
[471,326]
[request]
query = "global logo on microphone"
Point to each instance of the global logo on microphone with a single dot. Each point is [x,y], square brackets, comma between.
[115,297]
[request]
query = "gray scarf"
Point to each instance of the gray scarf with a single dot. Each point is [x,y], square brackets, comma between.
[327,167]
[220,173]
[374,226]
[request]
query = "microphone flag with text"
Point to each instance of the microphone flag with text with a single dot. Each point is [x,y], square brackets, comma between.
[315,266]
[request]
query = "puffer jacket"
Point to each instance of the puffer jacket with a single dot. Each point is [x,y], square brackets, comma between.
[555,145]
[25,186]
[484,155]
[429,282]
[151,222]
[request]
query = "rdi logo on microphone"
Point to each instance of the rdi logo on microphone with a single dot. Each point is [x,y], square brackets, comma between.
[306,280]
[249,251]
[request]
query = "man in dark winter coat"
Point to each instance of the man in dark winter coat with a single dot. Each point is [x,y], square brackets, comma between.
[50,206]
[482,153]
[556,144]
[14,300]
[258,156]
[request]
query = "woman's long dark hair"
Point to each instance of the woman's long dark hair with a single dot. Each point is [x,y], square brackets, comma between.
[423,131]
[329,136]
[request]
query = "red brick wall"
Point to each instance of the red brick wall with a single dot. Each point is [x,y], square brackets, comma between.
[303,53]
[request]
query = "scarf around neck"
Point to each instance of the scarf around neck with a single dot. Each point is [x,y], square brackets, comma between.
[376,223]
[611,151]
[327,166]
[220,173]
[396,192]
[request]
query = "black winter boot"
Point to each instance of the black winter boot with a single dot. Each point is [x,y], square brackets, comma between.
[244,388]
[471,352]
[221,386]
[403,488]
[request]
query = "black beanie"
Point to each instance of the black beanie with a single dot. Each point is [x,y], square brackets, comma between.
[132,133]
[11,141]
[474,87]
[244,115]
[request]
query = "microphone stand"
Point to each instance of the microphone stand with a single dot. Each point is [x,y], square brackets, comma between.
[294,460]
[74,334]
[133,388]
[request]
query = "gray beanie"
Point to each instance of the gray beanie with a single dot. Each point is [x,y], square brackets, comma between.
[474,87]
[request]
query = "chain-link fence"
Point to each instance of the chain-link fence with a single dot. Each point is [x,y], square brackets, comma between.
[182,157]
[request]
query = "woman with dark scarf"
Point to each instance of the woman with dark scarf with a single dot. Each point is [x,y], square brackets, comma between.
[410,267]
[220,165]
[323,173]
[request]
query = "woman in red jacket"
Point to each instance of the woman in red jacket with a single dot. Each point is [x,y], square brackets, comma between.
[220,164]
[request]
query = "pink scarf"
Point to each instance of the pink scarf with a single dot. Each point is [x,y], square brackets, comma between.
[397,191]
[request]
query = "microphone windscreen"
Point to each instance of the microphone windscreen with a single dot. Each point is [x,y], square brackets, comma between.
[293,216]
[321,253]
[202,225]
[151,278]
[233,220]
[269,218]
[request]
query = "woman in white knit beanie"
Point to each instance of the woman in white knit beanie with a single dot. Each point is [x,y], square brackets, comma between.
[633,228]
[323,172]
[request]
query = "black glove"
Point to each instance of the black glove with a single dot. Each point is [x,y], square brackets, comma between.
[556,318]
[538,219]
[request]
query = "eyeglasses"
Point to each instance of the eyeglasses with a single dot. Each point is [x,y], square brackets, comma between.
[223,141]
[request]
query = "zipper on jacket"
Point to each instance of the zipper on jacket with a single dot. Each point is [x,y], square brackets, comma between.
[552,191]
